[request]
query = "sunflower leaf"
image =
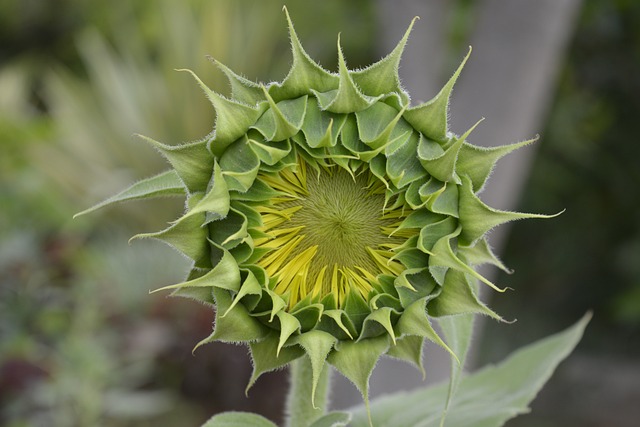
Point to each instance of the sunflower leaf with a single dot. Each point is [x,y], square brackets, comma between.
[487,398]
[167,183]
[238,419]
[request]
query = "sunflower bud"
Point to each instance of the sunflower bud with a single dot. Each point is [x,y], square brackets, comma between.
[328,218]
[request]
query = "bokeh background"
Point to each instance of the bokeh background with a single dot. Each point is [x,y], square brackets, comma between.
[82,343]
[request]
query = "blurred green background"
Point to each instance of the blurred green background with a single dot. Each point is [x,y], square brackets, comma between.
[82,343]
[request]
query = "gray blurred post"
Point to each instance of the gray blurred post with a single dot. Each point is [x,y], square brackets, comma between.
[518,46]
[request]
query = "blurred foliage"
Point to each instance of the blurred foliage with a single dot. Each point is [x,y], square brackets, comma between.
[81,341]
[589,257]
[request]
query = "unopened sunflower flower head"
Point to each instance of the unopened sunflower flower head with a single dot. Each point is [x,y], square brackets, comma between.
[328,218]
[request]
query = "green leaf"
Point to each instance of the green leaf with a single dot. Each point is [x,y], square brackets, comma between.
[236,325]
[377,123]
[414,322]
[444,258]
[380,318]
[193,162]
[167,183]
[487,398]
[239,165]
[356,360]
[288,326]
[238,419]
[229,231]
[444,201]
[476,218]
[242,90]
[321,128]
[270,152]
[382,77]
[409,349]
[333,419]
[281,120]
[186,235]
[403,166]
[305,73]
[266,359]
[481,253]
[216,201]
[478,162]
[443,167]
[458,331]
[317,345]
[232,118]
[458,297]
[225,275]
[347,98]
[430,118]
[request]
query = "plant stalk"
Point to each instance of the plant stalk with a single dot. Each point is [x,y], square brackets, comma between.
[301,409]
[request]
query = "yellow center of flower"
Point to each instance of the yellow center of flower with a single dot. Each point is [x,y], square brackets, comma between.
[328,234]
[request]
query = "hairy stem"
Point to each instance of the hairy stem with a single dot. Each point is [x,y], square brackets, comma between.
[301,410]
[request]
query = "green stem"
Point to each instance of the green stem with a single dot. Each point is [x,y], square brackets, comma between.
[300,409]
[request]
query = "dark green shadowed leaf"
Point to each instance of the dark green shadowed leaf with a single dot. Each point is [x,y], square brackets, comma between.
[238,419]
[193,162]
[356,308]
[250,290]
[308,315]
[236,325]
[259,192]
[430,118]
[165,184]
[415,283]
[382,77]
[229,231]
[239,165]
[377,123]
[487,398]
[337,323]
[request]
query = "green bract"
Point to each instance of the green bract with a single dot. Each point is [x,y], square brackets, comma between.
[328,218]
